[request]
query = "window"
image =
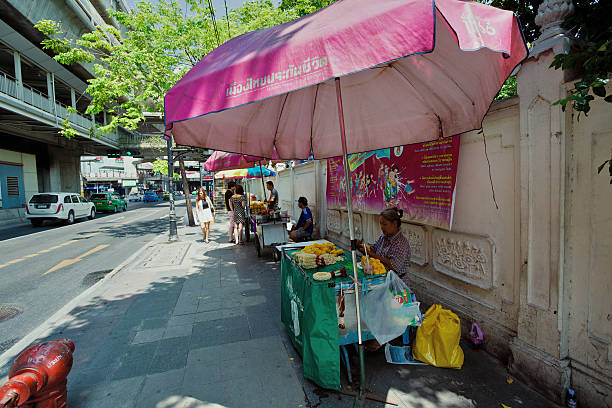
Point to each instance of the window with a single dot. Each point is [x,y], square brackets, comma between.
[75,199]
[43,198]
[98,197]
[67,200]
[12,186]
[82,199]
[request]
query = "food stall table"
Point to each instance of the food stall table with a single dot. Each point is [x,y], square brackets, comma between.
[310,314]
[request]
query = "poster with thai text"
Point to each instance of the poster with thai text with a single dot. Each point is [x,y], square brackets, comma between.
[418,178]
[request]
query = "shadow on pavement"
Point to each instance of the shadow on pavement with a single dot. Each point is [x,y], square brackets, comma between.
[169,338]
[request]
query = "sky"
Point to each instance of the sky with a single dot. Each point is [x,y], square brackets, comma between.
[217,4]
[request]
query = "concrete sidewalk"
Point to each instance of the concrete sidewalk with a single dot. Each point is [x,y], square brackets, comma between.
[195,325]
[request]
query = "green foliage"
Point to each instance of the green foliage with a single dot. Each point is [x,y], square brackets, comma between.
[303,7]
[135,70]
[590,57]
[161,167]
[508,89]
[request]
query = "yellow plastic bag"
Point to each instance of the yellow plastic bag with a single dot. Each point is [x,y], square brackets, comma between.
[437,339]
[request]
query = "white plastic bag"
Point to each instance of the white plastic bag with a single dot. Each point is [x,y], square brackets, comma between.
[389,309]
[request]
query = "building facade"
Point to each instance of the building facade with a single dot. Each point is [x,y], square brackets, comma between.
[35,93]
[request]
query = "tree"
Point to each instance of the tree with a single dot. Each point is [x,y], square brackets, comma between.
[590,57]
[303,7]
[134,71]
[161,167]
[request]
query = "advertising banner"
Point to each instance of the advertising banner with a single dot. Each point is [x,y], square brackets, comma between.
[418,178]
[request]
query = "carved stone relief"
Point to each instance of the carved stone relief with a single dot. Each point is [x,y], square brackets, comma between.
[356,224]
[418,243]
[469,258]
[334,221]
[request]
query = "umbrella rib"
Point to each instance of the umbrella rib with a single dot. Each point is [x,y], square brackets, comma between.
[451,77]
[423,101]
[280,115]
[314,108]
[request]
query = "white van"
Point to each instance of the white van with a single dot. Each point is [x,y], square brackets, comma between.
[58,206]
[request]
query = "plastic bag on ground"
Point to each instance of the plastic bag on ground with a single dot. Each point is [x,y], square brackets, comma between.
[389,310]
[437,340]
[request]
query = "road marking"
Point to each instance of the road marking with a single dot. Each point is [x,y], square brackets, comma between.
[67,262]
[103,229]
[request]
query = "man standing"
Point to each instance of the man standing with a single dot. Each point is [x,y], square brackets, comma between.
[231,187]
[273,201]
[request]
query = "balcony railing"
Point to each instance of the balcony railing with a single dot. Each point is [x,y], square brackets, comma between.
[40,100]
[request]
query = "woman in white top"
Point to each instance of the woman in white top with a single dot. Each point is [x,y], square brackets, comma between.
[205,212]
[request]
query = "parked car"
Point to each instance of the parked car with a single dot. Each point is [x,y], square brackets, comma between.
[150,196]
[108,202]
[58,206]
[166,196]
[134,197]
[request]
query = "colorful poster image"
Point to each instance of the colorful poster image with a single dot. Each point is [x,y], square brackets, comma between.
[419,178]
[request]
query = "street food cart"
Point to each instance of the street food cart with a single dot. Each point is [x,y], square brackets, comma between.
[270,229]
[320,316]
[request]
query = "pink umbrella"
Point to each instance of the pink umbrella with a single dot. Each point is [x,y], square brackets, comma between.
[229,161]
[355,76]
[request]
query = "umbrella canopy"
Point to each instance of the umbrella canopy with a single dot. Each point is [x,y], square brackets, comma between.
[358,75]
[253,172]
[229,161]
[418,68]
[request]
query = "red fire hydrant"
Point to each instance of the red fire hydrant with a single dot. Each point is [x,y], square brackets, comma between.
[38,377]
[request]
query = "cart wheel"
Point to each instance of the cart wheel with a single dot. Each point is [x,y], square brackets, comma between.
[257,246]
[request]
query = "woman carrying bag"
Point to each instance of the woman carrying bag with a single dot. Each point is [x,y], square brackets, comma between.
[204,212]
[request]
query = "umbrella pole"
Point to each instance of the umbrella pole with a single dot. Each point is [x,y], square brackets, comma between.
[347,183]
[263,185]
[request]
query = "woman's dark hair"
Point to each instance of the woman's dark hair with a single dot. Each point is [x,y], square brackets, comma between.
[304,201]
[393,215]
[270,183]
[239,189]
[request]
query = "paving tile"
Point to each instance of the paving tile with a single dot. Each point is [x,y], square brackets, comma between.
[181,320]
[155,323]
[210,393]
[87,377]
[219,314]
[171,354]
[114,394]
[165,397]
[178,331]
[147,336]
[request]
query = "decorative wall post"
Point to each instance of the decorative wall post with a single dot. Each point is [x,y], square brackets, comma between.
[539,351]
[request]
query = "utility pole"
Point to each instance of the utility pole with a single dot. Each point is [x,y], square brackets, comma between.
[173,234]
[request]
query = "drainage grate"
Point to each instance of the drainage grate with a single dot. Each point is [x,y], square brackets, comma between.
[94,277]
[7,312]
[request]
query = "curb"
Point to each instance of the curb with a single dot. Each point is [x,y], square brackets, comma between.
[39,331]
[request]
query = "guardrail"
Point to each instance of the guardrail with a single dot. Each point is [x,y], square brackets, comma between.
[33,97]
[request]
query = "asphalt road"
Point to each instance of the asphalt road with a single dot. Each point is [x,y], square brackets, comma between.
[42,269]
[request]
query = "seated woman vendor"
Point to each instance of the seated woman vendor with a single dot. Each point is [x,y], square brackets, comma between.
[392,247]
[303,229]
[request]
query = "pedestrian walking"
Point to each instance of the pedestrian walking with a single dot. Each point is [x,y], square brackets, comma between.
[237,204]
[228,194]
[205,212]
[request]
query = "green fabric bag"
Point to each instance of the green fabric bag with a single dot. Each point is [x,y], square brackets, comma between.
[310,307]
